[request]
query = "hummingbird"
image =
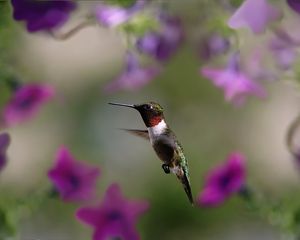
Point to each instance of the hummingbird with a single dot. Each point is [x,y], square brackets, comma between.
[163,141]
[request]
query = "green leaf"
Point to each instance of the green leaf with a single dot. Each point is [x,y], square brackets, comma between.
[7,224]
[236,3]
[297,216]
[140,24]
[122,3]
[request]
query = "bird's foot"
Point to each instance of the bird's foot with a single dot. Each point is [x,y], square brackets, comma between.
[166,168]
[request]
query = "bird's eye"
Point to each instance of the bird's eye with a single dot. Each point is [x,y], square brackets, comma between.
[148,107]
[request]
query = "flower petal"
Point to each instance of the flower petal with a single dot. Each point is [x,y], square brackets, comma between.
[254,14]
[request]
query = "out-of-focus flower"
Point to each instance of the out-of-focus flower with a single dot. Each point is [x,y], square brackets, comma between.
[42,15]
[114,217]
[235,83]
[74,180]
[4,143]
[254,14]
[283,48]
[26,101]
[163,44]
[112,16]
[295,5]
[223,181]
[213,45]
[256,69]
[133,77]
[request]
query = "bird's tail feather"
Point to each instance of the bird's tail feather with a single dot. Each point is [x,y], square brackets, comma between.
[184,179]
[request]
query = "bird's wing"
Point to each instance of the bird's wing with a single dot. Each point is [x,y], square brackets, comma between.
[140,133]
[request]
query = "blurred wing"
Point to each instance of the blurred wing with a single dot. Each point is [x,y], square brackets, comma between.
[140,133]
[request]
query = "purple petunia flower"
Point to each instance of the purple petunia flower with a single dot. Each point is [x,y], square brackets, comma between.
[163,44]
[133,77]
[295,5]
[26,101]
[254,14]
[283,47]
[42,15]
[112,16]
[74,180]
[4,143]
[213,45]
[223,181]
[235,83]
[115,217]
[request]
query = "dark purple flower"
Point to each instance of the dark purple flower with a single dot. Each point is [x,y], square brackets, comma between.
[163,44]
[213,45]
[223,181]
[42,15]
[254,14]
[295,5]
[74,180]
[26,101]
[133,77]
[4,143]
[111,16]
[235,83]
[114,217]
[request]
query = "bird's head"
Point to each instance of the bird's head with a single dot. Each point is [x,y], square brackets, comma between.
[151,112]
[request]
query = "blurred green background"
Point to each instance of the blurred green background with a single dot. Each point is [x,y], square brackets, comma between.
[81,119]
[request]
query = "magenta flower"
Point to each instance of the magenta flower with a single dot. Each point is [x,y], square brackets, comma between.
[133,77]
[223,181]
[26,101]
[42,15]
[112,16]
[4,143]
[295,5]
[235,83]
[254,14]
[162,45]
[114,217]
[74,180]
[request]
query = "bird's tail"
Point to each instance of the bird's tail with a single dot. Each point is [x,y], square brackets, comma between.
[184,179]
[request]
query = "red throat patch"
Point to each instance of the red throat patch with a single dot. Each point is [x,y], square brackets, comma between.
[154,121]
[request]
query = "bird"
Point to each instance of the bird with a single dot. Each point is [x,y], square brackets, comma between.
[163,141]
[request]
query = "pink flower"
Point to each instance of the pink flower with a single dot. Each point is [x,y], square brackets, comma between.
[254,14]
[74,180]
[114,217]
[26,101]
[112,16]
[223,181]
[235,83]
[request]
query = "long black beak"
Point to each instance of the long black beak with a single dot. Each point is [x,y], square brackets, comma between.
[123,105]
